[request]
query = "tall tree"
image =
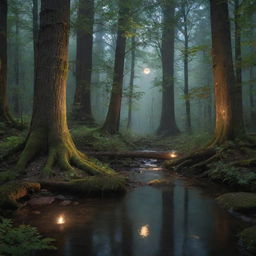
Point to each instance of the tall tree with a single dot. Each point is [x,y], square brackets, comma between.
[49,132]
[223,72]
[112,122]
[168,123]
[237,89]
[4,110]
[131,84]
[82,103]
[35,30]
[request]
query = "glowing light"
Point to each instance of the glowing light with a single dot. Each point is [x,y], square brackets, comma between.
[60,220]
[144,231]
[146,71]
[173,154]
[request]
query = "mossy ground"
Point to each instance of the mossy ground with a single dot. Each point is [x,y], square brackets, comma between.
[248,238]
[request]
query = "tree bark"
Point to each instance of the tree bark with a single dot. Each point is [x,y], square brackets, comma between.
[35,31]
[237,88]
[112,121]
[82,110]
[49,131]
[4,110]
[168,123]
[222,71]
[131,87]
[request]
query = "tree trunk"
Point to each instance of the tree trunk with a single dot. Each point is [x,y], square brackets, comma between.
[82,103]
[35,31]
[186,85]
[237,88]
[16,91]
[131,88]
[222,71]
[49,132]
[112,121]
[4,110]
[251,92]
[168,123]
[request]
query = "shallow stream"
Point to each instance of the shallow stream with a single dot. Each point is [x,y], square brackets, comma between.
[174,220]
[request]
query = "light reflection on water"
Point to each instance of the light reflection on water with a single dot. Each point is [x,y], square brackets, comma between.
[174,221]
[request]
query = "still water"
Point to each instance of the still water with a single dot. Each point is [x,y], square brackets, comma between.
[174,220]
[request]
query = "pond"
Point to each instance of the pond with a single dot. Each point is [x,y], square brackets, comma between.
[173,220]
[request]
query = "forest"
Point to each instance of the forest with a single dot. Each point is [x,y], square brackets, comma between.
[127,128]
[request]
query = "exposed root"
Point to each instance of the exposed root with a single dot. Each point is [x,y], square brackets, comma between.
[61,153]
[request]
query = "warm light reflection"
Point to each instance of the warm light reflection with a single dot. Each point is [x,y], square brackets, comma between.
[144,231]
[146,71]
[60,220]
[173,154]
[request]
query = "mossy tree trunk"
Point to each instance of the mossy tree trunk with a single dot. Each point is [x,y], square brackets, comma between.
[112,122]
[82,111]
[4,110]
[35,31]
[168,123]
[223,72]
[49,132]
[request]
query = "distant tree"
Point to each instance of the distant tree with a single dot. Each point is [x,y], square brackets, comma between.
[112,122]
[35,29]
[168,124]
[49,132]
[82,110]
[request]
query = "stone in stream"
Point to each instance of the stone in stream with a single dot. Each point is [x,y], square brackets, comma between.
[239,201]
[65,203]
[41,201]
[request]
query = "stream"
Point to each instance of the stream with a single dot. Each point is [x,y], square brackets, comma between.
[174,220]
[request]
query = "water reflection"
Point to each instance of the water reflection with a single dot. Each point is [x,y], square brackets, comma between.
[175,221]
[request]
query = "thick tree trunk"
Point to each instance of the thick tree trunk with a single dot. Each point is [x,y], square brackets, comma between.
[112,121]
[35,32]
[4,110]
[237,87]
[82,103]
[168,123]
[131,87]
[49,132]
[222,71]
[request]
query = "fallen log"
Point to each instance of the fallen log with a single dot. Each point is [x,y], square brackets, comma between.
[165,155]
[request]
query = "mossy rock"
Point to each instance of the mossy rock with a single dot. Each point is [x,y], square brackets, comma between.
[160,182]
[240,201]
[248,238]
[92,185]
[13,191]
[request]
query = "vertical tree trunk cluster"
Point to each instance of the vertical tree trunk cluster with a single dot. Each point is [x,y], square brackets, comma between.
[168,123]
[112,121]
[82,103]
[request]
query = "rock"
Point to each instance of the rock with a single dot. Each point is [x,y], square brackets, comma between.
[41,201]
[60,197]
[65,203]
[36,212]
[248,238]
[160,182]
[240,201]
[76,203]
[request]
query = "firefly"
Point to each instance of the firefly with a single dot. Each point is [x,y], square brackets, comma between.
[173,154]
[144,231]
[146,71]
[60,220]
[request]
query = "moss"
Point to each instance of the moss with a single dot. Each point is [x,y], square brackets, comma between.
[248,238]
[13,191]
[239,201]
[100,184]
[8,143]
[7,176]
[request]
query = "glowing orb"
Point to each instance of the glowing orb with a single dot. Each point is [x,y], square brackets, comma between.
[146,71]
[144,231]
[60,220]
[173,154]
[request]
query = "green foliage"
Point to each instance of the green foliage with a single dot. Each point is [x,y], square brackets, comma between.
[232,174]
[10,142]
[248,237]
[21,240]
